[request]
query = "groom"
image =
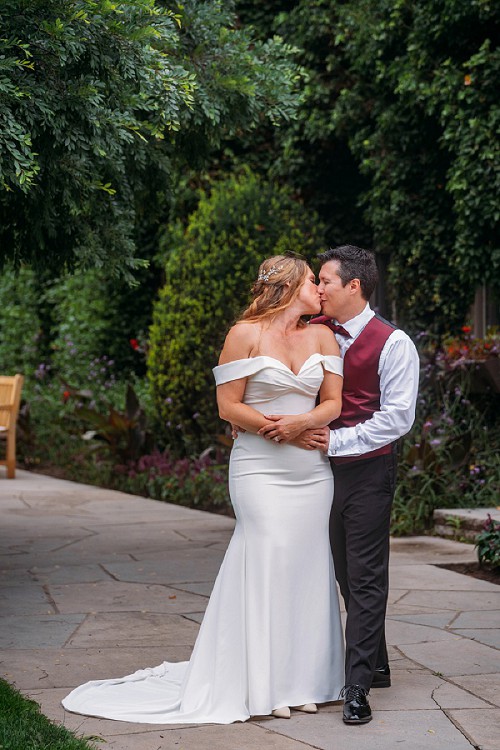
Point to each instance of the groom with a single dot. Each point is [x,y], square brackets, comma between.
[381,370]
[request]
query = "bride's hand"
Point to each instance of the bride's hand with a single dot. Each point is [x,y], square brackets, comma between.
[284,428]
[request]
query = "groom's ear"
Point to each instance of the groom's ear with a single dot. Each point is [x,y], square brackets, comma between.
[355,286]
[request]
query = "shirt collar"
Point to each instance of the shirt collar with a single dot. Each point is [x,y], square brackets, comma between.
[355,325]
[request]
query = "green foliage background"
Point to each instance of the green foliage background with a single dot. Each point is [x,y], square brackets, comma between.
[20,324]
[396,140]
[209,269]
[422,112]
[119,125]
[81,317]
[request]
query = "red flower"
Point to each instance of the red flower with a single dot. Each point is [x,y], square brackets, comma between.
[134,344]
[66,396]
[466,329]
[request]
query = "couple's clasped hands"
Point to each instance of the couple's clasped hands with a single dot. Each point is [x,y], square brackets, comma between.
[295,429]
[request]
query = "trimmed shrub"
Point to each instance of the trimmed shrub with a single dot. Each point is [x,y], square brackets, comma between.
[210,266]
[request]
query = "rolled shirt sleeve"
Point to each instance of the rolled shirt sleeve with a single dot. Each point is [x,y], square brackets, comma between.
[399,369]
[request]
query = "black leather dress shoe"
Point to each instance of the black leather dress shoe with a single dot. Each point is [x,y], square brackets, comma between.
[356,707]
[382,677]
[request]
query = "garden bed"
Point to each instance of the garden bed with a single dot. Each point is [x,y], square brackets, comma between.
[473,569]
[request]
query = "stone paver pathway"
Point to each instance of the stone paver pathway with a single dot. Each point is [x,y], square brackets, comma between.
[95,584]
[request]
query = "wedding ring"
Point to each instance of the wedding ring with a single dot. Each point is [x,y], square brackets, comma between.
[276,439]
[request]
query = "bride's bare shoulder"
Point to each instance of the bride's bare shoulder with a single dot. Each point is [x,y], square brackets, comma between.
[244,331]
[325,341]
[240,341]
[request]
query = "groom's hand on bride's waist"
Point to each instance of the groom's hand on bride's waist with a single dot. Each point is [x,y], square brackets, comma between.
[313,440]
[236,430]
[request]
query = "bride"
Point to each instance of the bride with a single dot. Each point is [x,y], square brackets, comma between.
[271,637]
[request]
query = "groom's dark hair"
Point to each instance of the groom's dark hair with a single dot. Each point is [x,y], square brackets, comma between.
[354,263]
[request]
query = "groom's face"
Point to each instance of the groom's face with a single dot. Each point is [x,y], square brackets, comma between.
[334,296]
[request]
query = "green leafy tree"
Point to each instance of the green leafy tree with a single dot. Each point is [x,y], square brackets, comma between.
[100,102]
[210,267]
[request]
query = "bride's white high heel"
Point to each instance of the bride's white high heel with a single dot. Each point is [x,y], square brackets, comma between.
[281,713]
[307,708]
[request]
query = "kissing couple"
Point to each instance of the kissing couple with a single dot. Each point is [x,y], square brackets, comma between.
[317,408]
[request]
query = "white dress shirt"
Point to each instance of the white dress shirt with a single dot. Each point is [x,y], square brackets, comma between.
[398,370]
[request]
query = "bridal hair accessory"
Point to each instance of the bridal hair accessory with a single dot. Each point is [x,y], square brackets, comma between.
[266,275]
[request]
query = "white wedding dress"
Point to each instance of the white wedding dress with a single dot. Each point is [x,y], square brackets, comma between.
[271,635]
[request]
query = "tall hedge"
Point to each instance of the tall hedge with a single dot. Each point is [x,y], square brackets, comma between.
[210,266]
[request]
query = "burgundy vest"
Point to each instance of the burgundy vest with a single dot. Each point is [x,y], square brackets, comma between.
[361,389]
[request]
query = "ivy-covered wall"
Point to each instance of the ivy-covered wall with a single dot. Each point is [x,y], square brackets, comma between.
[396,140]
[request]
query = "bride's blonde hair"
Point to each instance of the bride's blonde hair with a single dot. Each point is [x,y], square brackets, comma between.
[278,283]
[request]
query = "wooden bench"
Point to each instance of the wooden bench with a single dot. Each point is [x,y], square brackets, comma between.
[10,399]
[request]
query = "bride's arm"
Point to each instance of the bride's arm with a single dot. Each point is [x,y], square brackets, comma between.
[232,409]
[288,427]
[238,344]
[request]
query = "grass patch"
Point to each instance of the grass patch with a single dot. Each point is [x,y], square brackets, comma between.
[23,727]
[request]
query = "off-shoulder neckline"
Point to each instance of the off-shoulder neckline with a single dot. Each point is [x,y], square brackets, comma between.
[275,359]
